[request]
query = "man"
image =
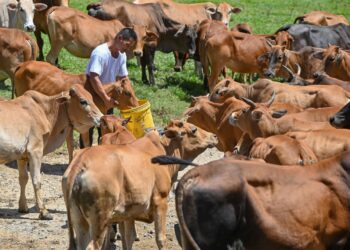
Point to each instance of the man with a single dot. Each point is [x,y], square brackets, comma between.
[108,64]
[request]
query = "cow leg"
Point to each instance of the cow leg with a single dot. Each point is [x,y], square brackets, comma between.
[52,56]
[127,231]
[34,167]
[40,43]
[144,60]
[198,69]
[179,58]
[70,144]
[214,75]
[23,180]
[151,67]
[85,139]
[160,222]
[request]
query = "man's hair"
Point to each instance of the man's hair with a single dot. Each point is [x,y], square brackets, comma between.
[126,34]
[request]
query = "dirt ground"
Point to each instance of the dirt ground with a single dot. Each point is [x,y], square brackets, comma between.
[25,231]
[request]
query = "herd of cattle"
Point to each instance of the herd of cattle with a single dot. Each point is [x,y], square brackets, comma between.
[285,180]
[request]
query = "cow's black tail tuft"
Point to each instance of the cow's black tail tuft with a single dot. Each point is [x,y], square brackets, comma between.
[166,160]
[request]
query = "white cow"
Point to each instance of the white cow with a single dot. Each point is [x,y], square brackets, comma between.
[19,13]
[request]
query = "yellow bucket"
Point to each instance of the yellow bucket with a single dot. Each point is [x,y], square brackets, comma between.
[141,118]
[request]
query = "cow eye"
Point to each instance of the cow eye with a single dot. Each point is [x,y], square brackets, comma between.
[127,93]
[21,9]
[280,58]
[332,58]
[83,102]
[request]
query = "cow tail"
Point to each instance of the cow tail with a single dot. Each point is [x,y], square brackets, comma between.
[179,204]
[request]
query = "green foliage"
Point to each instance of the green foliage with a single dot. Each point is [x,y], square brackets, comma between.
[172,92]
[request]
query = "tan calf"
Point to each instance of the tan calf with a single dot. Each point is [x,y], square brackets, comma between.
[118,183]
[321,18]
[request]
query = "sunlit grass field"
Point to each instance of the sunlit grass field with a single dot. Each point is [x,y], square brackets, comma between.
[171,94]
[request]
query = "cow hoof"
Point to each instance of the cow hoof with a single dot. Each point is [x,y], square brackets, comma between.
[178,69]
[45,216]
[137,238]
[23,210]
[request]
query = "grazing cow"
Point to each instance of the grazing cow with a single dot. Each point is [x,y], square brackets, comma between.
[336,63]
[321,78]
[342,118]
[279,56]
[80,33]
[282,150]
[172,35]
[50,80]
[324,143]
[321,18]
[257,120]
[234,204]
[42,124]
[214,118]
[318,36]
[15,47]
[313,96]
[136,189]
[40,21]
[19,13]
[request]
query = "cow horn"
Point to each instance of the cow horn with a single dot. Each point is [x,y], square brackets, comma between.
[126,121]
[298,69]
[269,43]
[249,102]
[271,99]
[289,71]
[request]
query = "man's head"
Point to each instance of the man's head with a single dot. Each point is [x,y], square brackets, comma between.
[126,39]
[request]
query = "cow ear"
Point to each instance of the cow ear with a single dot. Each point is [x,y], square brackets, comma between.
[279,113]
[337,49]
[72,91]
[40,6]
[62,99]
[283,48]
[236,10]
[12,6]
[262,58]
[151,36]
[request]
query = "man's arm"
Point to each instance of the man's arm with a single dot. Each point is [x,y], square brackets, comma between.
[98,88]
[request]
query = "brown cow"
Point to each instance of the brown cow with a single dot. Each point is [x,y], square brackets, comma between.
[321,18]
[113,130]
[336,63]
[321,78]
[15,47]
[80,33]
[136,189]
[40,22]
[214,118]
[42,124]
[305,58]
[257,120]
[282,150]
[324,143]
[250,205]
[313,96]
[50,80]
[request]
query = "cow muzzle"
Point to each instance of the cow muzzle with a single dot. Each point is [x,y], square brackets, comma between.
[269,74]
[233,119]
[137,53]
[29,28]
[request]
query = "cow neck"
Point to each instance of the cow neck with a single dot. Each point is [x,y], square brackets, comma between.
[213,116]
[172,148]
[248,90]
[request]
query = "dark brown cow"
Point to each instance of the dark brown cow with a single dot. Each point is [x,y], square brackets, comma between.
[305,58]
[80,33]
[122,184]
[15,47]
[342,118]
[40,22]
[321,18]
[42,123]
[234,204]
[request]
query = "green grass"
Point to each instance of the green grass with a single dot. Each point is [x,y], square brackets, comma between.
[172,92]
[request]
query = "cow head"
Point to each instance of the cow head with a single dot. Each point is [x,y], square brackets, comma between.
[144,37]
[332,56]
[222,12]
[187,35]
[81,110]
[295,78]
[275,59]
[123,92]
[256,120]
[21,13]
[112,123]
[342,118]
[114,131]
[283,38]
[226,88]
[189,139]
